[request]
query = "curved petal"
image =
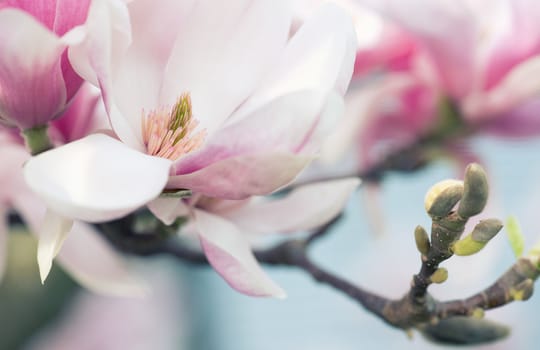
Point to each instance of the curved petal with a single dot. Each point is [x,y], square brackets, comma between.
[32,89]
[221,53]
[282,125]
[97,265]
[96,178]
[243,176]
[319,56]
[229,253]
[303,209]
[107,36]
[53,232]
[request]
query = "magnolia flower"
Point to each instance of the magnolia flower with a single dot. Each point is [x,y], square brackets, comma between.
[465,51]
[224,227]
[37,80]
[110,274]
[210,96]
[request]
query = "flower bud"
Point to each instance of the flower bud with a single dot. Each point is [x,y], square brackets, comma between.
[439,276]
[476,191]
[478,238]
[486,230]
[442,197]
[422,240]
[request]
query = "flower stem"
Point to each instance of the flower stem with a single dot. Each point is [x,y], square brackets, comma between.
[37,140]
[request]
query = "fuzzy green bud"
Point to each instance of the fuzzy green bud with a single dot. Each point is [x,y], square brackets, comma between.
[475,193]
[422,240]
[439,276]
[442,197]
[478,238]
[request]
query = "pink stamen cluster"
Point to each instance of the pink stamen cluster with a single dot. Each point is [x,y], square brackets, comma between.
[168,133]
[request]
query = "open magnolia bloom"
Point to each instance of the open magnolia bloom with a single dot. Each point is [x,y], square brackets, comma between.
[210,96]
[111,273]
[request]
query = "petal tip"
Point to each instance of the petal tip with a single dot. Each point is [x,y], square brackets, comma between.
[45,266]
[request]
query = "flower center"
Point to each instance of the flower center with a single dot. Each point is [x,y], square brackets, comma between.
[170,133]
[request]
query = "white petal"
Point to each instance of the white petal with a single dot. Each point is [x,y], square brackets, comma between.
[222,51]
[53,232]
[167,209]
[107,36]
[305,208]
[228,251]
[96,178]
[320,56]
[98,266]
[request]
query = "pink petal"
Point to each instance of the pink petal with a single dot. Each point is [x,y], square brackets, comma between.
[303,209]
[243,176]
[79,119]
[221,53]
[59,16]
[96,178]
[394,50]
[514,89]
[229,253]
[32,89]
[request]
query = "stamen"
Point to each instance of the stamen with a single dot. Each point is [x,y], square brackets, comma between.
[169,133]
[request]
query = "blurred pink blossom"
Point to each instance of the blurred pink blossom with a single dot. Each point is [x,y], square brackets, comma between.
[482,55]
